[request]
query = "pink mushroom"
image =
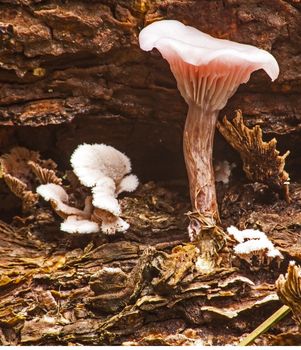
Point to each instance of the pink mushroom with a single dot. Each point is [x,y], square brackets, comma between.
[208,72]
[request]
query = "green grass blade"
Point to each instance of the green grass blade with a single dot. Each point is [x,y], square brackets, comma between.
[267,324]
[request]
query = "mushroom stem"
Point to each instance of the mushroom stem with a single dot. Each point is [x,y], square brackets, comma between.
[198,145]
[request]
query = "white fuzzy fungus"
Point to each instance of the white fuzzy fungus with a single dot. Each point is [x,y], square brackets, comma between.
[128,184]
[104,196]
[252,242]
[92,162]
[106,171]
[74,225]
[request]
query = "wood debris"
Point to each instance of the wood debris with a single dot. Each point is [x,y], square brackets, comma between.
[112,290]
[261,160]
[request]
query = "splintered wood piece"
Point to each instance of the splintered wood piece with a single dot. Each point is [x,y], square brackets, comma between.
[43,174]
[261,160]
[19,189]
[289,289]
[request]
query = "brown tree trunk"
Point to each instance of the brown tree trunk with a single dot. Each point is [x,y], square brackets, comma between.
[72,72]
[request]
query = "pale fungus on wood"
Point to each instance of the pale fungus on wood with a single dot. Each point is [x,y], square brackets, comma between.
[254,243]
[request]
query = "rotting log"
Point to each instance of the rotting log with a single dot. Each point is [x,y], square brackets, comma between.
[71,72]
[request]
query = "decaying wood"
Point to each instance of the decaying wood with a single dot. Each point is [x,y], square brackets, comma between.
[143,284]
[261,160]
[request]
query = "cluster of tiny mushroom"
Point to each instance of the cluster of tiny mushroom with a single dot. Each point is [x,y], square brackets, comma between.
[107,172]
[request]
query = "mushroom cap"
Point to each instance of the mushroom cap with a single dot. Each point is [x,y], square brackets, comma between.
[128,184]
[58,197]
[208,70]
[92,162]
[246,234]
[53,192]
[173,38]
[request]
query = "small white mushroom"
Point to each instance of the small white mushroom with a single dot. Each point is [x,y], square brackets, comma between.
[104,196]
[243,235]
[118,225]
[104,169]
[128,184]
[58,198]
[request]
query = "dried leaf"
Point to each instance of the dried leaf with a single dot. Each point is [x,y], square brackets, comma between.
[261,160]
[188,337]
[210,240]
[37,328]
[231,312]
[289,289]
[15,162]
[172,268]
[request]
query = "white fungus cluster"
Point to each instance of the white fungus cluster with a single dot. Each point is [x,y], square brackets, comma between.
[222,171]
[253,242]
[106,171]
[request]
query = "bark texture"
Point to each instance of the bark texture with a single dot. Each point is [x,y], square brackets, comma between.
[79,61]
[72,72]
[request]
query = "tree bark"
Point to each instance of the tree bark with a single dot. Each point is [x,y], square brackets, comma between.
[79,61]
